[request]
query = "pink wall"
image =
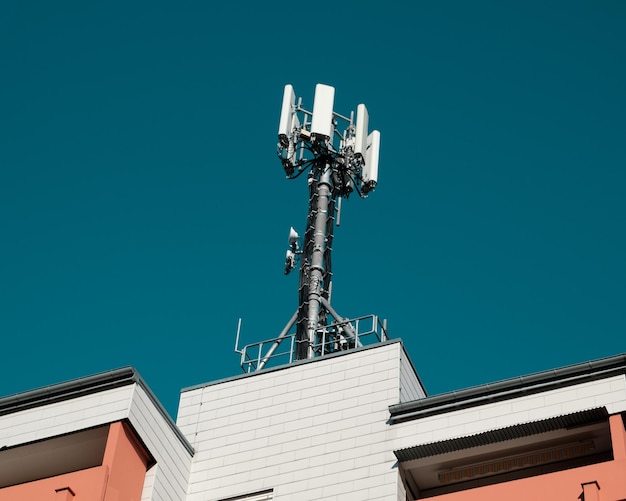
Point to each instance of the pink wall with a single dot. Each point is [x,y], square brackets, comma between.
[119,478]
[600,482]
[127,460]
[87,485]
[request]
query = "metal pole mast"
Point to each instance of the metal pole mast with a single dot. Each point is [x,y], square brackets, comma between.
[315,270]
[338,164]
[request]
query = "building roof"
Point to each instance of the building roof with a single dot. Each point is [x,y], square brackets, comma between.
[314,360]
[508,389]
[86,386]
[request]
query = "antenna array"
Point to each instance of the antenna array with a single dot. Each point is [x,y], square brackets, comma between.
[340,157]
[313,140]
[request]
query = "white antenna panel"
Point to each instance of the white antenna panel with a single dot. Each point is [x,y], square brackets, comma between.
[293,236]
[370,171]
[322,122]
[362,119]
[287,113]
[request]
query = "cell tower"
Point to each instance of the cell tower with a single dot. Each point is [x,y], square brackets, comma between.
[339,160]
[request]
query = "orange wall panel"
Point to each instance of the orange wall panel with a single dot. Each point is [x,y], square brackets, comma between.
[564,485]
[127,461]
[618,436]
[119,478]
[87,485]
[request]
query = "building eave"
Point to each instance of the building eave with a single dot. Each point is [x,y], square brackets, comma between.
[572,420]
[508,389]
[84,386]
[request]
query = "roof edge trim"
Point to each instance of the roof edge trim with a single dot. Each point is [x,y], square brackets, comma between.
[508,389]
[88,385]
[67,390]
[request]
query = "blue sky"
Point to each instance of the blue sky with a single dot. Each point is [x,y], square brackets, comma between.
[143,209]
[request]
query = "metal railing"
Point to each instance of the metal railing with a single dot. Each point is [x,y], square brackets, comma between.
[332,338]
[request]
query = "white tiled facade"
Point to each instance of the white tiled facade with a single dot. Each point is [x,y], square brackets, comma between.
[168,481]
[410,386]
[324,429]
[63,417]
[129,402]
[310,431]
[320,430]
[609,393]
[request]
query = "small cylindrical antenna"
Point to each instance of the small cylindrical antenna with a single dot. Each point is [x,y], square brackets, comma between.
[338,219]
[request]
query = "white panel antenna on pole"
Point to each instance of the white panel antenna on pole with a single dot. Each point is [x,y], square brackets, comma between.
[322,122]
[287,114]
[360,140]
[370,171]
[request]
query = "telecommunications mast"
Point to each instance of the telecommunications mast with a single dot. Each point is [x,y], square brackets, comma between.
[340,157]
